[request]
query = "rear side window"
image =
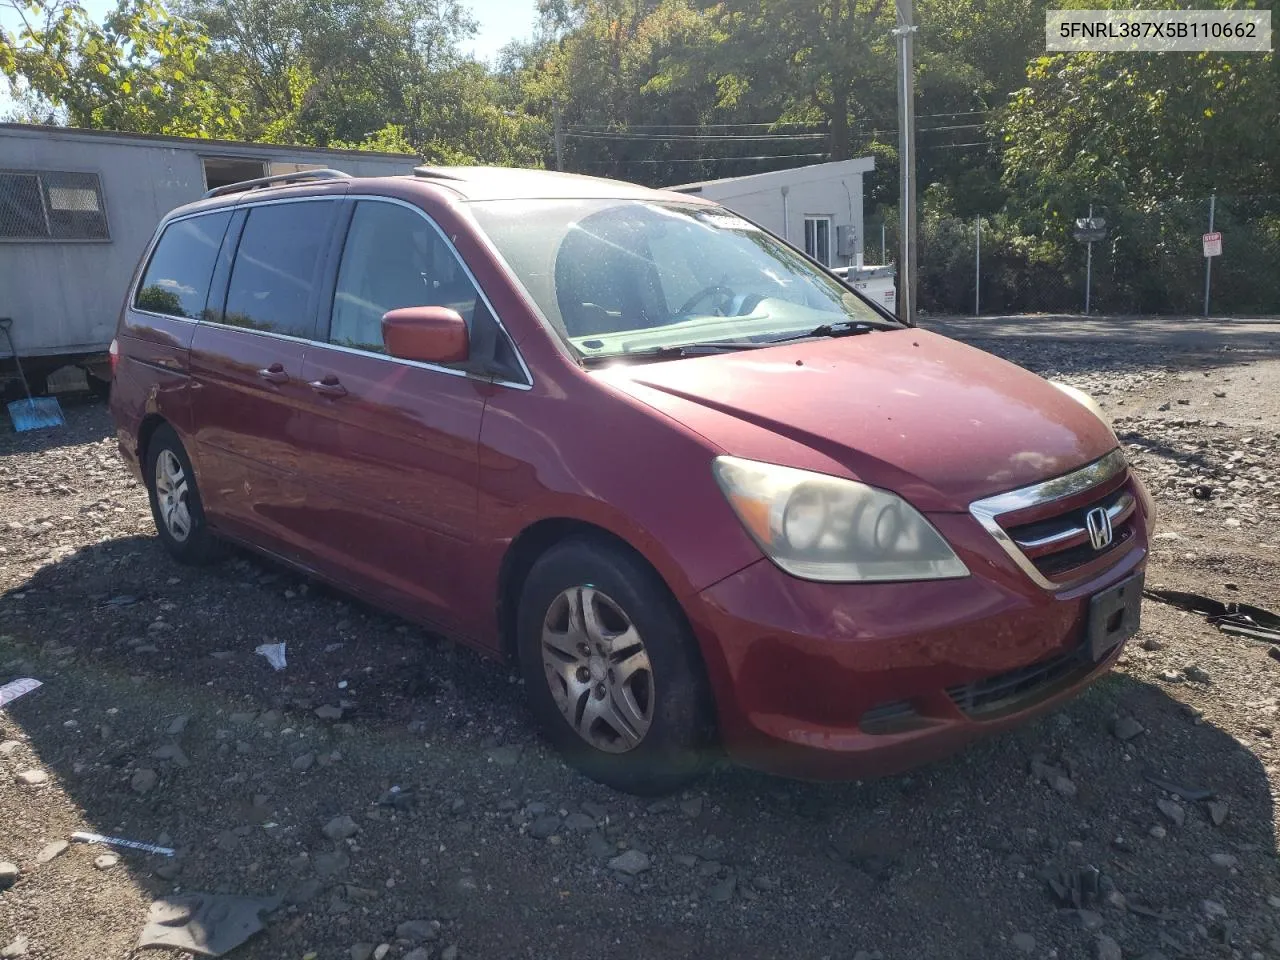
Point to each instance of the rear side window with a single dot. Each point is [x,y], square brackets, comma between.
[277,267]
[393,258]
[176,282]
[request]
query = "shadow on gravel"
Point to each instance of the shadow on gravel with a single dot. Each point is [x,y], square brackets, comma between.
[1099,345]
[79,428]
[1205,460]
[159,723]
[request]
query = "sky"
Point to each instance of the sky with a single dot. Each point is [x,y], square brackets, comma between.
[498,23]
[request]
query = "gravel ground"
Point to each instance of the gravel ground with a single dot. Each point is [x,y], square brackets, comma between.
[157,722]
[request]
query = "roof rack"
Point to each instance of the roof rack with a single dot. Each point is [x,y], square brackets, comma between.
[278,180]
[436,173]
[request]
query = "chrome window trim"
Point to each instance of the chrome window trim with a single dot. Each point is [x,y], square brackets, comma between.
[515,348]
[451,371]
[164,316]
[145,262]
[513,278]
[986,510]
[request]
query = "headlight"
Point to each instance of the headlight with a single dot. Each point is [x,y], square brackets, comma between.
[819,527]
[1084,400]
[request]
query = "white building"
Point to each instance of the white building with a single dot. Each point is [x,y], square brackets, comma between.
[817,208]
[77,207]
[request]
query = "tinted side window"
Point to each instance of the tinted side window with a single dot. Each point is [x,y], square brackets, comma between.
[277,267]
[393,258]
[177,278]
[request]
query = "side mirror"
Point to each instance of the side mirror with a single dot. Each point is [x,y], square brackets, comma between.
[426,334]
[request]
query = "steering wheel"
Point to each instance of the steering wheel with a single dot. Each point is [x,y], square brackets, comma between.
[703,294]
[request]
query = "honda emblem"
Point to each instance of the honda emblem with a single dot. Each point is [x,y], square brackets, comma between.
[1098,522]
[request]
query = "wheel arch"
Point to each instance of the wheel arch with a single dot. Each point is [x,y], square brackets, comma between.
[146,430]
[532,543]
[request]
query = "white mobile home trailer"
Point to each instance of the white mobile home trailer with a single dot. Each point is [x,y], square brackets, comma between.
[77,207]
[816,208]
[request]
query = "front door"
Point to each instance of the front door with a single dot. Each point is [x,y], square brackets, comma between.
[247,372]
[390,457]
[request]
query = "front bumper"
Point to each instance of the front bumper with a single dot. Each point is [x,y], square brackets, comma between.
[838,681]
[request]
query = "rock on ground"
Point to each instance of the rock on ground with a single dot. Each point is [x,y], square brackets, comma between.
[632,862]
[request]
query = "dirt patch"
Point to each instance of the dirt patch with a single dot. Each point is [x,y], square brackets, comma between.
[157,722]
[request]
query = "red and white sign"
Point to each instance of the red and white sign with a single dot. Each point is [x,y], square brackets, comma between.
[1212,244]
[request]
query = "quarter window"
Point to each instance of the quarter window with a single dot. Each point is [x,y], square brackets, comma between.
[176,281]
[393,258]
[51,205]
[277,267]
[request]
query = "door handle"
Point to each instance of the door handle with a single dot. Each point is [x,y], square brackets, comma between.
[274,374]
[329,387]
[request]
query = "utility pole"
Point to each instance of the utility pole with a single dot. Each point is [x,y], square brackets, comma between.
[557,128]
[977,266]
[907,162]
[1088,267]
[1208,261]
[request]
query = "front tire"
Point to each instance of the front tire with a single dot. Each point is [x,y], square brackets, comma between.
[176,507]
[612,670]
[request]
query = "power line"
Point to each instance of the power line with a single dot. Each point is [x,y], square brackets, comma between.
[779,156]
[888,132]
[696,137]
[957,146]
[696,126]
[656,128]
[607,128]
[962,113]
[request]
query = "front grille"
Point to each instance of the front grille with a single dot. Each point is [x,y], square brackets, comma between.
[1043,527]
[1059,544]
[891,717]
[1010,691]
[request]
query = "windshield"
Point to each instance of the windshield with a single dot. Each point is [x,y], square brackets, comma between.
[625,276]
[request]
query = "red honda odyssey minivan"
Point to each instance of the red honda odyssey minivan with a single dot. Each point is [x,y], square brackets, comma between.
[698,489]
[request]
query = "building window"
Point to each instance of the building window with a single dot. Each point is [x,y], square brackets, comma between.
[49,205]
[224,171]
[817,239]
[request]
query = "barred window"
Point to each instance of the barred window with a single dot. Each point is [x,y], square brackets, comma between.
[50,205]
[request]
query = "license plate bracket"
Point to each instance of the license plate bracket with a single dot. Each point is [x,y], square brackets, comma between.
[1114,615]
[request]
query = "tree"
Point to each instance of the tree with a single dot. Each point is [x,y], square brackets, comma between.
[829,58]
[1134,129]
[316,71]
[141,70]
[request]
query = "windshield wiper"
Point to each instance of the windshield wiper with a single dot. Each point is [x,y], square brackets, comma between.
[675,351]
[847,328]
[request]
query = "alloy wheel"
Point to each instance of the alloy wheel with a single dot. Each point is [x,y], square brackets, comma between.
[598,669]
[171,495]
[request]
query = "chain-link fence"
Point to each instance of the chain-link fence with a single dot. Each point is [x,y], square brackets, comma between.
[1149,261]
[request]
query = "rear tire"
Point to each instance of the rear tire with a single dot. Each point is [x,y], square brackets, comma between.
[612,671]
[99,387]
[176,507]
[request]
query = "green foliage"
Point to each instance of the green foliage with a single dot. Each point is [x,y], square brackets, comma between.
[373,74]
[140,70]
[647,90]
[1135,129]
[160,300]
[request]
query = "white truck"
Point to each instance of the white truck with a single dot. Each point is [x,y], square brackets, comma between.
[878,283]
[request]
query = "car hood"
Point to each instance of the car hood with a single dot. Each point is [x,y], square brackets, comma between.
[934,420]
